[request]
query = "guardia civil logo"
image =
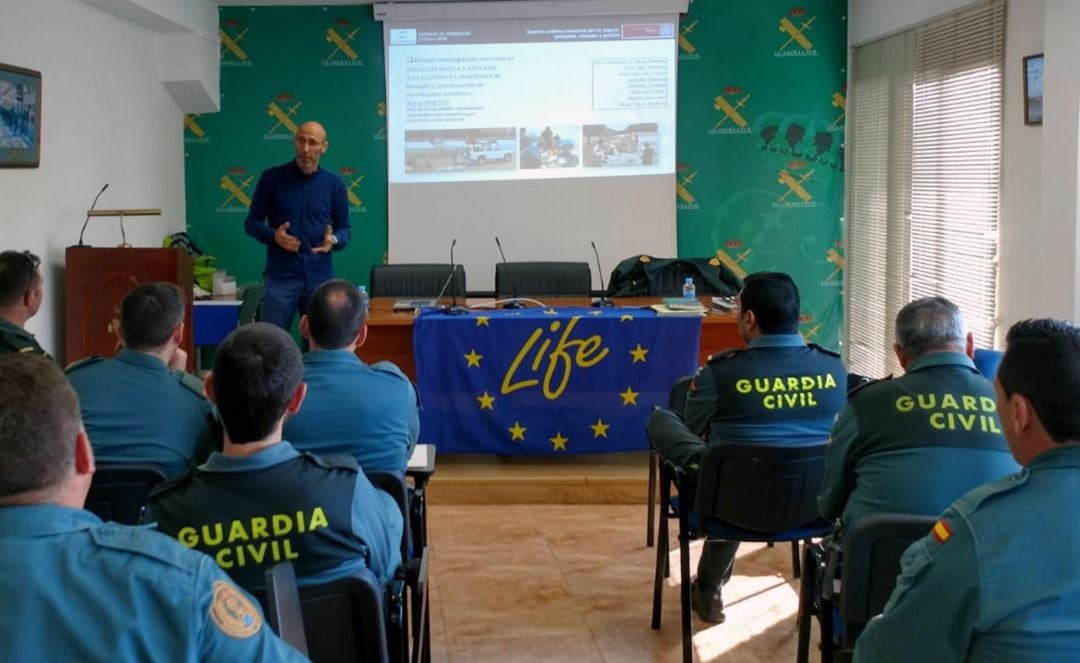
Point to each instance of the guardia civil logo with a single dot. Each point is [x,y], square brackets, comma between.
[796,28]
[233,52]
[235,185]
[795,180]
[731,104]
[193,131]
[340,38]
[732,255]
[687,49]
[282,110]
[352,185]
[684,180]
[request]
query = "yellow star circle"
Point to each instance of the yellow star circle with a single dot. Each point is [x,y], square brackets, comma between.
[629,397]
[559,442]
[486,401]
[473,358]
[638,354]
[517,432]
[483,321]
[599,429]
[626,318]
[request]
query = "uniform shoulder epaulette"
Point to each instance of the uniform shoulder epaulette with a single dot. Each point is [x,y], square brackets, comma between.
[144,541]
[389,368]
[21,341]
[723,354]
[338,461]
[858,388]
[827,351]
[85,361]
[191,382]
[972,500]
[170,484]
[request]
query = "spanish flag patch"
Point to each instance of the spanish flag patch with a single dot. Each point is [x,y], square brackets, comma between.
[941,531]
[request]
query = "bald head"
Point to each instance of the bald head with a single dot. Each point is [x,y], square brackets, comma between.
[310,144]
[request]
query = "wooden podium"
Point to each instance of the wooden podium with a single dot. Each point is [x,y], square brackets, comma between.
[96,280]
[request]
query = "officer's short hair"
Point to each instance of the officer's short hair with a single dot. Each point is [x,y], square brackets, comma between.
[18,272]
[150,313]
[336,312]
[774,299]
[1042,363]
[39,419]
[930,323]
[256,371]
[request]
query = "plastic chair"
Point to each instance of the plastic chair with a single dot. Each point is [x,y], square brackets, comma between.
[870,554]
[283,610]
[118,492]
[745,492]
[987,362]
[416,280]
[542,279]
[676,403]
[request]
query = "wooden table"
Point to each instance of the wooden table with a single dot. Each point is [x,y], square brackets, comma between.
[390,332]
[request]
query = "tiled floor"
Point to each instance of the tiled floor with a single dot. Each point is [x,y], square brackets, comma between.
[574,583]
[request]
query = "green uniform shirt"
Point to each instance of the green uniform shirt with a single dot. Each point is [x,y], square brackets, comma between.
[14,338]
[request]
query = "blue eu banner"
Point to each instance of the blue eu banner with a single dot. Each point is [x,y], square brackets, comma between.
[544,381]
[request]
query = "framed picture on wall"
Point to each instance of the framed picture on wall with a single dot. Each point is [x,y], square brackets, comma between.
[20,117]
[1033,89]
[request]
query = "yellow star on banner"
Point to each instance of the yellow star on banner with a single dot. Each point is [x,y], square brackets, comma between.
[638,354]
[486,401]
[596,312]
[629,397]
[483,321]
[551,311]
[473,358]
[599,429]
[626,318]
[517,432]
[559,442]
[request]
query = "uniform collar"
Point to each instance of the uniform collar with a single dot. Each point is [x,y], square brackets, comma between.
[268,457]
[9,326]
[44,519]
[331,357]
[141,359]
[1066,455]
[777,341]
[941,359]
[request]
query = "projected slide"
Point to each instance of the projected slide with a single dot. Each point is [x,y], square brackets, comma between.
[539,99]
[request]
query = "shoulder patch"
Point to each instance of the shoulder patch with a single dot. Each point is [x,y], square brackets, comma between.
[340,461]
[85,361]
[723,354]
[941,531]
[824,350]
[191,382]
[233,612]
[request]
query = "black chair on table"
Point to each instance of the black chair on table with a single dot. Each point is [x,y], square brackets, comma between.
[744,492]
[870,556]
[542,279]
[118,492]
[677,404]
[415,280]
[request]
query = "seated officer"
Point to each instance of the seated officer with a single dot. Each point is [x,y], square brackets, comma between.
[141,407]
[21,291]
[917,443]
[997,578]
[367,412]
[260,501]
[779,390]
[77,589]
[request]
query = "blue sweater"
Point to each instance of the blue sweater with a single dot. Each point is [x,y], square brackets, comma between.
[309,203]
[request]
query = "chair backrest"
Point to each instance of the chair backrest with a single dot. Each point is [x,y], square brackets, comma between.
[871,561]
[249,303]
[542,279]
[394,485]
[763,488]
[987,362]
[118,492]
[283,609]
[415,280]
[677,395]
[345,620]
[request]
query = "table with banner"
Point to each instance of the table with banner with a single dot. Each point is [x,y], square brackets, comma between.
[543,381]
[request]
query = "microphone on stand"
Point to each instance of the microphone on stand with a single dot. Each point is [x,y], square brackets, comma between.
[603,302]
[513,303]
[453,309]
[92,206]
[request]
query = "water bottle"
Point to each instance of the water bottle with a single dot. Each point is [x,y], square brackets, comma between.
[688,290]
[363,296]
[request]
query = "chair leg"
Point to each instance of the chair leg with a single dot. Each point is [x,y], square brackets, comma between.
[661,549]
[684,580]
[651,510]
[825,618]
[807,589]
[795,559]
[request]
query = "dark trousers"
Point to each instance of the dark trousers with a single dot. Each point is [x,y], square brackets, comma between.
[283,299]
[678,444]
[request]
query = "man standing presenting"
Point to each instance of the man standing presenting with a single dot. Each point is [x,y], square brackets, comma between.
[301,213]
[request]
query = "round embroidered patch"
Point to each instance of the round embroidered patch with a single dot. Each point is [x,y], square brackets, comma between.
[234,613]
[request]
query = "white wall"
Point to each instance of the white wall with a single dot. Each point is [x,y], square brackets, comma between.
[1040,242]
[105,117]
